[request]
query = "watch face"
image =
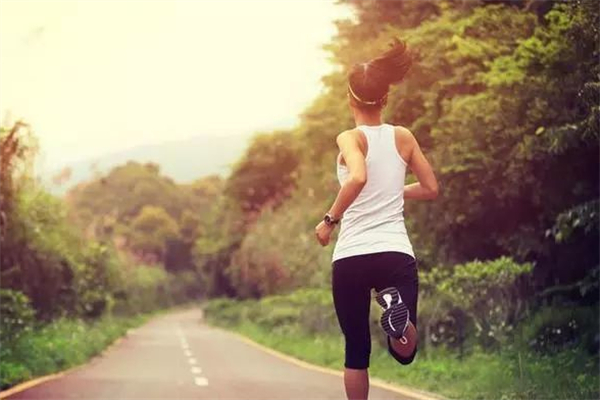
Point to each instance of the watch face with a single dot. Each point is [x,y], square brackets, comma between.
[329,220]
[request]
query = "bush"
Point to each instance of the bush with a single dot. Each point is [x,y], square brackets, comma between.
[279,253]
[144,288]
[552,329]
[60,344]
[95,279]
[441,322]
[12,373]
[303,324]
[486,293]
[223,311]
[16,315]
[309,311]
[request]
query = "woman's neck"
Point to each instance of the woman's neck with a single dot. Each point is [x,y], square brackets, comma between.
[367,118]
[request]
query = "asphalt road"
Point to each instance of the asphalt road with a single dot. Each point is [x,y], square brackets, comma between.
[176,356]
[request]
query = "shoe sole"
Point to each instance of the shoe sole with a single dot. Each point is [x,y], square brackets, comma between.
[394,320]
[388,297]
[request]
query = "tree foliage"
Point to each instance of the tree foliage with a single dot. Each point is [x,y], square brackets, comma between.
[49,268]
[504,100]
[265,174]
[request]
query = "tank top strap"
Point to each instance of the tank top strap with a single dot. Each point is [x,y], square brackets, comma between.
[366,131]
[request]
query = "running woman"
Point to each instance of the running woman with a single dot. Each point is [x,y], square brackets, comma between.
[373,250]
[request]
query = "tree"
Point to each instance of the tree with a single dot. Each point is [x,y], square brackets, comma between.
[151,229]
[265,174]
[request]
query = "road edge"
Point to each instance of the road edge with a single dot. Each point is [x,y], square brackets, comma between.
[42,379]
[412,393]
[45,378]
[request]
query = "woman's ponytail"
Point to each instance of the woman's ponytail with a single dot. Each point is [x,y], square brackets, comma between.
[392,65]
[368,83]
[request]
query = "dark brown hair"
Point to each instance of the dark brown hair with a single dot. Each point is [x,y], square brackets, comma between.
[368,83]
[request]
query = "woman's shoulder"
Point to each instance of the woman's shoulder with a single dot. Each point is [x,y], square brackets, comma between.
[404,136]
[402,131]
[353,132]
[405,141]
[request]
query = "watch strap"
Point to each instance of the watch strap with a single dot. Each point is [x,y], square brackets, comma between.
[329,220]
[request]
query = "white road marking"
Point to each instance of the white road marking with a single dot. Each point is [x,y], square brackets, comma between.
[200,381]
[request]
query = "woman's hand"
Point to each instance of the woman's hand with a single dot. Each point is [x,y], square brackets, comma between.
[323,232]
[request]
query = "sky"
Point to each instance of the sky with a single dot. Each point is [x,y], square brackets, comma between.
[93,77]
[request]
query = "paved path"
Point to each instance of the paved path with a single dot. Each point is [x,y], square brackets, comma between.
[176,356]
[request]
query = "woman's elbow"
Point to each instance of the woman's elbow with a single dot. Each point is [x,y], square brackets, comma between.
[434,191]
[359,179]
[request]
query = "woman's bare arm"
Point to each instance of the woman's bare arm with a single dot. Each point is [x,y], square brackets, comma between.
[355,162]
[427,187]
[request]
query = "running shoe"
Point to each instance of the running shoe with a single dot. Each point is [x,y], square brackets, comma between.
[395,317]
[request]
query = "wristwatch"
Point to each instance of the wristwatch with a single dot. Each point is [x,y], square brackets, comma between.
[329,220]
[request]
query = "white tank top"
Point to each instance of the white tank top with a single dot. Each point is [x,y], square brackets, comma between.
[374,222]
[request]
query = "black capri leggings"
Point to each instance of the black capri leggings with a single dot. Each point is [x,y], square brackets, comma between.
[352,281]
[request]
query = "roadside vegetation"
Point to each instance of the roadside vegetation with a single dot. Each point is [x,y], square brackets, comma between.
[535,361]
[504,100]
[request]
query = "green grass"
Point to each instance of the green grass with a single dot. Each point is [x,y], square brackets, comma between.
[59,345]
[279,323]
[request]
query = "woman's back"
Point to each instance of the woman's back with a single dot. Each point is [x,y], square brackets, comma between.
[374,222]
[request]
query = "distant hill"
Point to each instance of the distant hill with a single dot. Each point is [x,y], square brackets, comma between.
[182,160]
